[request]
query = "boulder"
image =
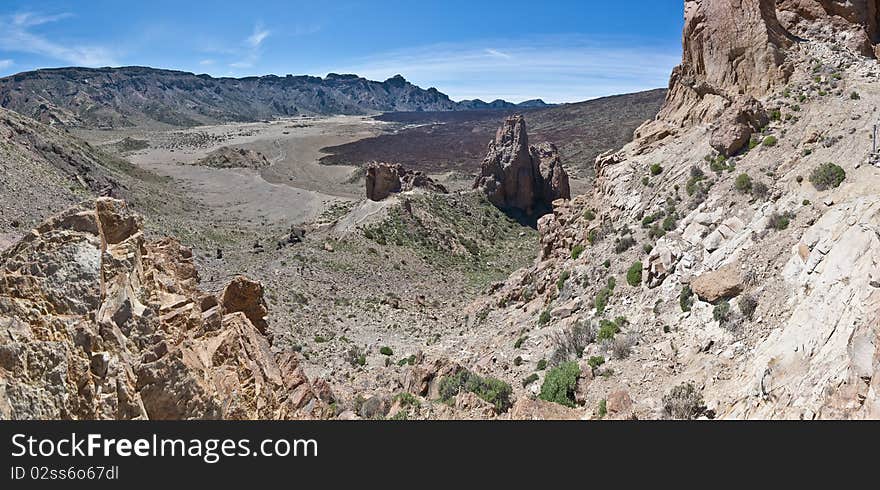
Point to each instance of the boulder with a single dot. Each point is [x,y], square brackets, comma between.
[619,405]
[246,296]
[726,282]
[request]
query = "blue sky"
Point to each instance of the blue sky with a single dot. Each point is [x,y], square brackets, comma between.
[561,51]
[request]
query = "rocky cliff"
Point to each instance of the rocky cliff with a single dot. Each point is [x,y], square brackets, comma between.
[99,323]
[517,176]
[129,96]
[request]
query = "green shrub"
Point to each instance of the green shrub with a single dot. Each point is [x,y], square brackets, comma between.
[491,390]
[603,408]
[743,183]
[634,274]
[607,263]
[770,141]
[645,180]
[576,251]
[517,361]
[778,221]
[721,312]
[686,298]
[542,365]
[669,223]
[608,329]
[855,96]
[596,361]
[827,176]
[589,215]
[386,351]
[683,402]
[560,283]
[656,169]
[560,383]
[519,342]
[544,318]
[603,295]
[529,379]
[647,248]
[623,244]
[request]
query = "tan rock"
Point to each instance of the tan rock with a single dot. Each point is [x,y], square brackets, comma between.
[246,296]
[726,282]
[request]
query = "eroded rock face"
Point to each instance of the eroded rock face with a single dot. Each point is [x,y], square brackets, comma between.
[97,323]
[732,48]
[384,179]
[517,176]
[851,22]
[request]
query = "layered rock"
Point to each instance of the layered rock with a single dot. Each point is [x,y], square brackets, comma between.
[384,179]
[854,23]
[517,176]
[98,323]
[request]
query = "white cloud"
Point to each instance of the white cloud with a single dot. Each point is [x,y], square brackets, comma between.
[206,62]
[16,36]
[4,64]
[557,68]
[498,54]
[256,39]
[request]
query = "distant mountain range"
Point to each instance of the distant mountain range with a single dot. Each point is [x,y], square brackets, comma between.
[132,96]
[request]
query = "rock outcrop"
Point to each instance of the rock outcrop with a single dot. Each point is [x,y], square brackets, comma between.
[517,176]
[98,323]
[855,24]
[229,157]
[384,179]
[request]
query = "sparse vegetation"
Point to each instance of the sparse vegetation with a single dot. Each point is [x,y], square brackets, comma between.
[743,183]
[576,251]
[770,141]
[529,379]
[686,298]
[595,361]
[634,274]
[721,312]
[560,383]
[386,351]
[779,221]
[656,169]
[747,306]
[570,343]
[683,402]
[827,176]
[491,390]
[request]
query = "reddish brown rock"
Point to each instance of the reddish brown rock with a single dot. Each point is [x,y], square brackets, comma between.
[384,179]
[246,296]
[517,176]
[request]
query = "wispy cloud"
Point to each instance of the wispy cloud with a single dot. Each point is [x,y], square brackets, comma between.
[17,35]
[207,62]
[4,64]
[557,69]
[256,39]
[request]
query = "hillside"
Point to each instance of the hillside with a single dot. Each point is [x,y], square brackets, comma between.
[133,96]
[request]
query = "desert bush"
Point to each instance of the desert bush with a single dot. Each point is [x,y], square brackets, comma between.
[634,274]
[576,251]
[686,298]
[608,329]
[355,356]
[656,169]
[492,390]
[560,283]
[589,215]
[519,341]
[621,346]
[544,318]
[760,190]
[770,141]
[827,176]
[570,343]
[529,379]
[623,244]
[743,183]
[721,312]
[542,365]
[683,402]
[595,361]
[560,383]
[603,295]
[747,306]
[779,221]
[602,410]
[670,222]
[855,96]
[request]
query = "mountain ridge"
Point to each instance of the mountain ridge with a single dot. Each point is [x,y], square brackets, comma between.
[136,95]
